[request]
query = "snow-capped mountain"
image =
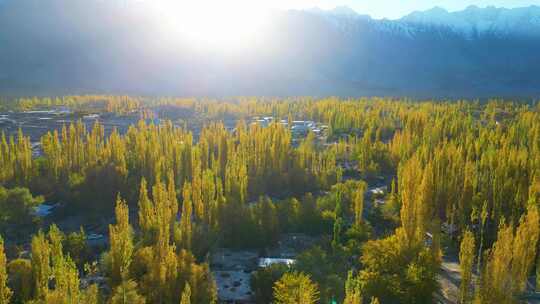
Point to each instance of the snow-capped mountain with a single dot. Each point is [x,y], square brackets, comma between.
[471,22]
[478,21]
[343,18]
[338,11]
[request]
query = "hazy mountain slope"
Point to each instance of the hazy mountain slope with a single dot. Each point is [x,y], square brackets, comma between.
[89,46]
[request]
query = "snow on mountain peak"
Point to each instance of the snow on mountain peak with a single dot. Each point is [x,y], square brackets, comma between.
[344,11]
[475,20]
[338,11]
[471,22]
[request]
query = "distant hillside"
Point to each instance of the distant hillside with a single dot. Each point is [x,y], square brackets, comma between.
[83,46]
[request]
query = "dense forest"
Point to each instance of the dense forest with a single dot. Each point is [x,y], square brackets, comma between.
[462,182]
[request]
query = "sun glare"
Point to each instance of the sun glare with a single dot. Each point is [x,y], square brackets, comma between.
[214,23]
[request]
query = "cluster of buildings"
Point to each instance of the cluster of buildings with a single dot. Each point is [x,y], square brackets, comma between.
[299,128]
[232,269]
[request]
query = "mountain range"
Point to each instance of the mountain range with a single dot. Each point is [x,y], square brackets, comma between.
[55,47]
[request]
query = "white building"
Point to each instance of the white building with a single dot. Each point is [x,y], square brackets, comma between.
[265,262]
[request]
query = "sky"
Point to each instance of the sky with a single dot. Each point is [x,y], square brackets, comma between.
[393,9]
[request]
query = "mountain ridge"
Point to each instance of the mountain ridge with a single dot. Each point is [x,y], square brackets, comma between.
[471,21]
[491,19]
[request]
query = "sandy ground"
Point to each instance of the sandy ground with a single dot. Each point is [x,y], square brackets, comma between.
[450,279]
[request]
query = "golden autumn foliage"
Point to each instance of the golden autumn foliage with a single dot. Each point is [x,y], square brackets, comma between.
[213,178]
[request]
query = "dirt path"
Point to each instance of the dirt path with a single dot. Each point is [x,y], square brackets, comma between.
[450,279]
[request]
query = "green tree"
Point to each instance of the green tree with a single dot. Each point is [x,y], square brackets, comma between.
[337,231]
[295,288]
[147,214]
[185,220]
[395,272]
[264,279]
[41,265]
[17,205]
[20,275]
[466,260]
[91,295]
[525,248]
[495,285]
[409,178]
[5,292]
[186,295]
[538,273]
[121,239]
[66,279]
[56,237]
[353,294]
[126,293]
[75,245]
[510,260]
[359,202]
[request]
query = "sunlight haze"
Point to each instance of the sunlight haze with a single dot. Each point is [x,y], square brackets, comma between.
[233,24]
[223,23]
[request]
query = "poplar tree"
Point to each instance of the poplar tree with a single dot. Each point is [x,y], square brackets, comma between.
[57,255]
[525,248]
[425,206]
[121,239]
[353,294]
[160,281]
[410,176]
[185,220]
[186,295]
[66,289]
[495,285]
[483,217]
[538,273]
[126,293]
[294,288]
[91,295]
[172,201]
[359,202]
[466,260]
[5,292]
[41,267]
[510,261]
[147,214]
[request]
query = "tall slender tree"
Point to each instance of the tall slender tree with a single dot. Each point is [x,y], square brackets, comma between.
[126,293]
[359,202]
[5,292]
[147,216]
[353,294]
[121,239]
[185,220]
[186,295]
[525,248]
[466,260]
[41,265]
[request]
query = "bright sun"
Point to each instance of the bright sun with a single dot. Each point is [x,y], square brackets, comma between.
[227,23]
